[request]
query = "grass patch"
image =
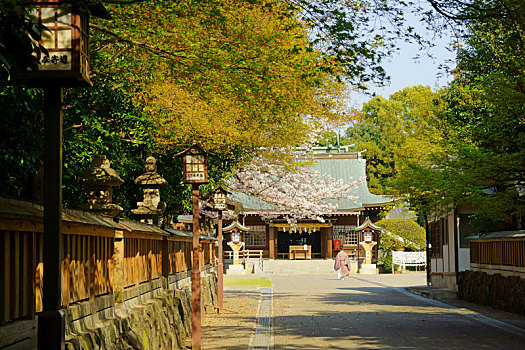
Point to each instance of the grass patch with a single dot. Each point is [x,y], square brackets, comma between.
[246,281]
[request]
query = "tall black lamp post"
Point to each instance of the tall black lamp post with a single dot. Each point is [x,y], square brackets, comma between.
[66,40]
[195,173]
[219,201]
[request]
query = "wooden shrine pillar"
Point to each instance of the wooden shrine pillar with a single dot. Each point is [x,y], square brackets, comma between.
[271,242]
[323,242]
[329,241]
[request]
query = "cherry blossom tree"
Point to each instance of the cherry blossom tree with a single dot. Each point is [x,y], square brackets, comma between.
[285,180]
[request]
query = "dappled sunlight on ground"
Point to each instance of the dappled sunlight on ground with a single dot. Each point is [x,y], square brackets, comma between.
[362,312]
[235,325]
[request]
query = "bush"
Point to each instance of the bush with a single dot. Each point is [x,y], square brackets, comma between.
[403,228]
[387,262]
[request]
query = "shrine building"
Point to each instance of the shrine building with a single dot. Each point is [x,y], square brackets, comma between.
[313,239]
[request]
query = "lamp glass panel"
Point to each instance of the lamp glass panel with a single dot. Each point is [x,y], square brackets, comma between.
[48,39]
[236,236]
[64,38]
[48,16]
[64,17]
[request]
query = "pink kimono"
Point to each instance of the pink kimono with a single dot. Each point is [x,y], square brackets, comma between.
[342,264]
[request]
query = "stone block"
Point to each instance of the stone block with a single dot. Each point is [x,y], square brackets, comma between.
[235,270]
[368,269]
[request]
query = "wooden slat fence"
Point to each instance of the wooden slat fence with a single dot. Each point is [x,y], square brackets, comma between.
[88,263]
[87,267]
[21,274]
[142,260]
[509,252]
[179,255]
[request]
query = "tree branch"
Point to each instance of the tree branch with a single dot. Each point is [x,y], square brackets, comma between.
[154,49]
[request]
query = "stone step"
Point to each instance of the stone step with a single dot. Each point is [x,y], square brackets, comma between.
[297,266]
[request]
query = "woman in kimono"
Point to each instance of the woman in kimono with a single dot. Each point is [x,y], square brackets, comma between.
[342,265]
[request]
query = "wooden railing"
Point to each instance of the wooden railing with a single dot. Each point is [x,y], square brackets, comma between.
[498,251]
[245,254]
[99,257]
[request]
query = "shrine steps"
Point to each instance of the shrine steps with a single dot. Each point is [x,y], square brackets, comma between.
[284,267]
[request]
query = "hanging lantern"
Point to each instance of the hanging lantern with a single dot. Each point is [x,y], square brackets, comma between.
[219,199]
[66,40]
[195,166]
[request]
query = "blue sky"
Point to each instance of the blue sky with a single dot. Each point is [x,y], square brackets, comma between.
[404,71]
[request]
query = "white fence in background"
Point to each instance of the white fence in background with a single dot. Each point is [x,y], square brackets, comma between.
[408,259]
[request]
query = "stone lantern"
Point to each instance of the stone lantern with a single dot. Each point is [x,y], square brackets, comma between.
[368,231]
[100,179]
[236,244]
[151,207]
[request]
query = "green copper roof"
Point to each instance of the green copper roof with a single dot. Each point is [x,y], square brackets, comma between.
[368,224]
[236,225]
[339,166]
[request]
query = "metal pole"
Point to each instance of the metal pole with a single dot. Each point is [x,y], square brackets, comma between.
[220,266]
[51,328]
[429,249]
[196,275]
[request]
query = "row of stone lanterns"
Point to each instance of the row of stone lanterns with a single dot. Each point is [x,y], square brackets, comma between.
[100,179]
[67,42]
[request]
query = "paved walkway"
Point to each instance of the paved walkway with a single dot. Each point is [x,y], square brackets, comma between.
[361,312]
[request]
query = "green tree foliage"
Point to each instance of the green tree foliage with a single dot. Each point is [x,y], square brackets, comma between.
[167,74]
[394,131]
[223,73]
[106,120]
[483,159]
[412,235]
[21,141]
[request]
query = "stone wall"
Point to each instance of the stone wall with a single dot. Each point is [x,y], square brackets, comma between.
[504,293]
[445,280]
[156,315]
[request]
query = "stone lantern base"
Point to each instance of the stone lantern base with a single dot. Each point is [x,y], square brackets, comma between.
[368,269]
[235,270]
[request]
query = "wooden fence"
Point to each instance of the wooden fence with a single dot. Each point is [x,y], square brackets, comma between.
[498,251]
[90,265]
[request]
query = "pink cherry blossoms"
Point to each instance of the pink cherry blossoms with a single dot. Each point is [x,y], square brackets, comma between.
[290,185]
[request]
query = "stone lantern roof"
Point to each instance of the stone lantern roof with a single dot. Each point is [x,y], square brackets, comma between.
[150,178]
[100,173]
[151,206]
[99,178]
